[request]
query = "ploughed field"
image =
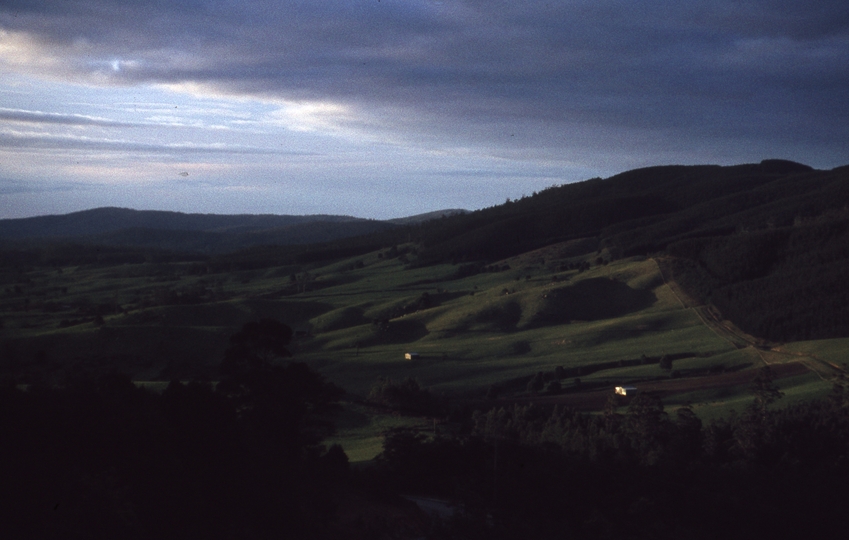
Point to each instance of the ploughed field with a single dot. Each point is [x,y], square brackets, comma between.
[670,390]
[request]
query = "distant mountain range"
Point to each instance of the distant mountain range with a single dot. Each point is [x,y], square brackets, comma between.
[204,233]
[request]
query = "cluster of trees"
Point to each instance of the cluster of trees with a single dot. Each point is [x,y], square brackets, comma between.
[405,395]
[532,472]
[547,381]
[98,457]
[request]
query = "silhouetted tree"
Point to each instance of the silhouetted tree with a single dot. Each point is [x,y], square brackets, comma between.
[536,383]
[649,426]
[764,389]
[406,394]
[285,403]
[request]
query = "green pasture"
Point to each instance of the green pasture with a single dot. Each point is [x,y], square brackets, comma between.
[718,402]
[832,351]
[491,327]
[357,317]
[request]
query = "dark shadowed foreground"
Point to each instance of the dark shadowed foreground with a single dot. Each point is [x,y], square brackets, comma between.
[101,458]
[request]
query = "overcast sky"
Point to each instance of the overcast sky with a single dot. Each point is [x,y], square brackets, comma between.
[387,108]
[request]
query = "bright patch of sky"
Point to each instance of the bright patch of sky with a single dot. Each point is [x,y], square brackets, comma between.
[180,148]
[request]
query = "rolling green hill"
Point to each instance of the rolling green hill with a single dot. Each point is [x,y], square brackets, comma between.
[720,269]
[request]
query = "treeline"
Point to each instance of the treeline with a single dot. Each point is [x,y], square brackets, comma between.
[531,472]
[56,253]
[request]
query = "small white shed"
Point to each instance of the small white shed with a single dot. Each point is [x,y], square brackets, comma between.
[625,390]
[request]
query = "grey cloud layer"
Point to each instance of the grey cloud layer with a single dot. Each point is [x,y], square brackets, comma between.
[665,72]
[39,117]
[40,141]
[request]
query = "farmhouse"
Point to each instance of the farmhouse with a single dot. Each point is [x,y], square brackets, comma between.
[625,390]
[411,356]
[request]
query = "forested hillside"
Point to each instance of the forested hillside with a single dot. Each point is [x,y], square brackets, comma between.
[767,243]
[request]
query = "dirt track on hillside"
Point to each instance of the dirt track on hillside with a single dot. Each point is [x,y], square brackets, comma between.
[594,400]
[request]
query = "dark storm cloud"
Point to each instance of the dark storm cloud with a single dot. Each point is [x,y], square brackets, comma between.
[666,72]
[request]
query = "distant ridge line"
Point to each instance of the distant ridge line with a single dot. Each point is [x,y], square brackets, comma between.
[427,216]
[197,233]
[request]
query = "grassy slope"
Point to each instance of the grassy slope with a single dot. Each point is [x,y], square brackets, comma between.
[480,335]
[481,330]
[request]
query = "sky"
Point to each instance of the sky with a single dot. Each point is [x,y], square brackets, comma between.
[390,108]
